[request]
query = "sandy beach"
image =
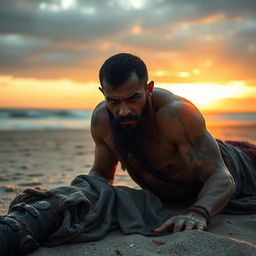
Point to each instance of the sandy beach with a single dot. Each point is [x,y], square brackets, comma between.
[53,158]
[41,159]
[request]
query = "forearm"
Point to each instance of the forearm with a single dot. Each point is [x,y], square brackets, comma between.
[216,192]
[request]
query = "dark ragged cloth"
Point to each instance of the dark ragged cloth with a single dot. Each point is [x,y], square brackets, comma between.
[240,158]
[111,207]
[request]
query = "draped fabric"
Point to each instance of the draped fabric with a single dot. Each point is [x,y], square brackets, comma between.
[240,158]
[111,207]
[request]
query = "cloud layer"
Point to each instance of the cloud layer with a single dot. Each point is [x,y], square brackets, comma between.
[180,41]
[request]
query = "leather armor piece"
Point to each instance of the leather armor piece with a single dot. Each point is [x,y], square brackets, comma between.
[26,226]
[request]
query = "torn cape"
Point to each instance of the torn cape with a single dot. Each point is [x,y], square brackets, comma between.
[111,207]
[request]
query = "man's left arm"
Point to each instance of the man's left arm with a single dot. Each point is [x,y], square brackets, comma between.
[200,152]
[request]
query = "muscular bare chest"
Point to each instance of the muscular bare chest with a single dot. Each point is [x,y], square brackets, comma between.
[164,158]
[161,155]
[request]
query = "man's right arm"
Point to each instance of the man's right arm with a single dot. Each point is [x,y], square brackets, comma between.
[105,161]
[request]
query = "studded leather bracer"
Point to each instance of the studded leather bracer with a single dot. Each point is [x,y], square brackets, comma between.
[26,226]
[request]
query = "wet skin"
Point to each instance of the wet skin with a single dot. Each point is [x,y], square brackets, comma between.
[179,147]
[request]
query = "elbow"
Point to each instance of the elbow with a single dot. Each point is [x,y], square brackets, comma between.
[92,172]
[95,173]
[107,179]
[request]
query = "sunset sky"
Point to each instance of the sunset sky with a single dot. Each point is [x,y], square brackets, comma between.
[51,51]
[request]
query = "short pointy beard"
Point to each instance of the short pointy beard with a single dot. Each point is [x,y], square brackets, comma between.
[130,139]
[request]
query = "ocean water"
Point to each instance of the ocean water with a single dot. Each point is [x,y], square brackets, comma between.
[33,119]
[236,126]
[232,126]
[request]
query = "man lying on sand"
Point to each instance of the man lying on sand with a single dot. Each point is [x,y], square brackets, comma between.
[162,141]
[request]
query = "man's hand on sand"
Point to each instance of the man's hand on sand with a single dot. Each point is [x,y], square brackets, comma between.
[183,222]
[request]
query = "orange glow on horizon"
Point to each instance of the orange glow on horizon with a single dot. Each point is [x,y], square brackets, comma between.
[48,94]
[67,94]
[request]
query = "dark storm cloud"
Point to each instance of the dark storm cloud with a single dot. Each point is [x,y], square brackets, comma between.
[74,24]
[45,34]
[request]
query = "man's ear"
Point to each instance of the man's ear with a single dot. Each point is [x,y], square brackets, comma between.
[101,89]
[150,88]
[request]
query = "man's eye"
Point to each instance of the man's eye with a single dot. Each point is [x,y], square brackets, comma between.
[134,99]
[113,103]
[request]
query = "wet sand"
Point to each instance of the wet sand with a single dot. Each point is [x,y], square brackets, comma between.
[53,158]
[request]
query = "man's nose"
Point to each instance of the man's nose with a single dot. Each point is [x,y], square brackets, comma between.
[124,110]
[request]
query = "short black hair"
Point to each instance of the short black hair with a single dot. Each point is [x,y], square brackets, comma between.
[118,69]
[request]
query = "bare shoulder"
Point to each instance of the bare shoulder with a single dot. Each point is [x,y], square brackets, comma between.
[100,120]
[177,117]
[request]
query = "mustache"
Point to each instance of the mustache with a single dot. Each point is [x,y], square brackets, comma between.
[127,118]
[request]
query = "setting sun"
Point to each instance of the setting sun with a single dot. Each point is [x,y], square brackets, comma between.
[202,95]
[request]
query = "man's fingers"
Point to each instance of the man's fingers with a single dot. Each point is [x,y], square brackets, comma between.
[166,226]
[181,222]
[178,226]
[201,226]
[189,225]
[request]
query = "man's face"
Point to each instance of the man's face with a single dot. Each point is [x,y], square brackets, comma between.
[127,102]
[128,109]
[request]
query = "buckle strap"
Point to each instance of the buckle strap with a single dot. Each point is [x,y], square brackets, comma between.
[12,223]
[27,245]
[25,207]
